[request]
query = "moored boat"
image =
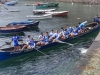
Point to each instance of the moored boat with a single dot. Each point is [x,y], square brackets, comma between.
[8,52]
[53,4]
[58,13]
[12,29]
[11,3]
[45,5]
[13,10]
[33,3]
[28,24]
[41,11]
[44,16]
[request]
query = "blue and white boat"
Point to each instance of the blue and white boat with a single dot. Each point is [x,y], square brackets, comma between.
[8,52]
[11,3]
[25,23]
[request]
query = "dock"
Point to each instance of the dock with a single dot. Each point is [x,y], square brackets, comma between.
[89,64]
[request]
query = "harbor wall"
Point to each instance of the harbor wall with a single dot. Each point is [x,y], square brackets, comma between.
[89,64]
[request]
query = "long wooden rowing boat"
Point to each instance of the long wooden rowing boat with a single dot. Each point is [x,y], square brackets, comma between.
[7,52]
[12,29]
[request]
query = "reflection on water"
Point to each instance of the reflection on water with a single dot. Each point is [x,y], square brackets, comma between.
[67,56]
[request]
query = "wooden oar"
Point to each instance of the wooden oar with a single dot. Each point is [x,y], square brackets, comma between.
[65,43]
[44,54]
[3,45]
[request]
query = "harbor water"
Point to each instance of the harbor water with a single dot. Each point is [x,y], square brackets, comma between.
[60,59]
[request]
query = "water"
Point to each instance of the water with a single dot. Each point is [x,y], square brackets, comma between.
[66,56]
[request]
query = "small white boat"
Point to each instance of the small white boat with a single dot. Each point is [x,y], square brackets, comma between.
[41,11]
[14,10]
[58,13]
[44,16]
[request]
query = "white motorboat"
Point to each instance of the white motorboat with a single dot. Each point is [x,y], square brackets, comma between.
[44,16]
[13,10]
[39,11]
[58,13]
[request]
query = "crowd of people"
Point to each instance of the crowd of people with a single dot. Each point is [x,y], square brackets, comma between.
[53,36]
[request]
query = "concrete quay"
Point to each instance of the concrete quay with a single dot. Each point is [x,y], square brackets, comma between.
[89,64]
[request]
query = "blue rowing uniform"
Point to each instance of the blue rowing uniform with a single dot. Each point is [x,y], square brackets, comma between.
[96,19]
[51,34]
[83,24]
[41,38]
[70,29]
[28,40]
[57,36]
[77,29]
[46,38]
[66,33]
[15,40]
[32,44]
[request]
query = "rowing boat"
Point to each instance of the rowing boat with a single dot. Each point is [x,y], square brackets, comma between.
[8,52]
[28,24]
[12,29]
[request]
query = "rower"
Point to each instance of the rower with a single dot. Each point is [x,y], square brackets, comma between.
[66,33]
[51,34]
[56,36]
[76,31]
[47,38]
[32,44]
[27,42]
[15,39]
[83,26]
[96,19]
[70,29]
[62,34]
[41,39]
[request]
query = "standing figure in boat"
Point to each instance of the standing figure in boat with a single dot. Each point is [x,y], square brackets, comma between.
[96,19]
[15,39]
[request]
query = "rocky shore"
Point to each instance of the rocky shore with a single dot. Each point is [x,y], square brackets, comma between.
[90,62]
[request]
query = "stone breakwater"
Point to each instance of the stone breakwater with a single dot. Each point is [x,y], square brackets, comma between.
[89,64]
[81,1]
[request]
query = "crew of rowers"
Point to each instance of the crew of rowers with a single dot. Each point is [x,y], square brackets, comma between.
[52,36]
[55,36]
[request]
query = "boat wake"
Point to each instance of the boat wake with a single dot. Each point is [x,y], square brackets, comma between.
[82,50]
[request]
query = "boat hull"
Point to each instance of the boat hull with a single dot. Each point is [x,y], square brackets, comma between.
[58,14]
[6,53]
[53,4]
[29,25]
[61,14]
[42,11]
[39,16]
[46,5]
[10,4]
[13,30]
